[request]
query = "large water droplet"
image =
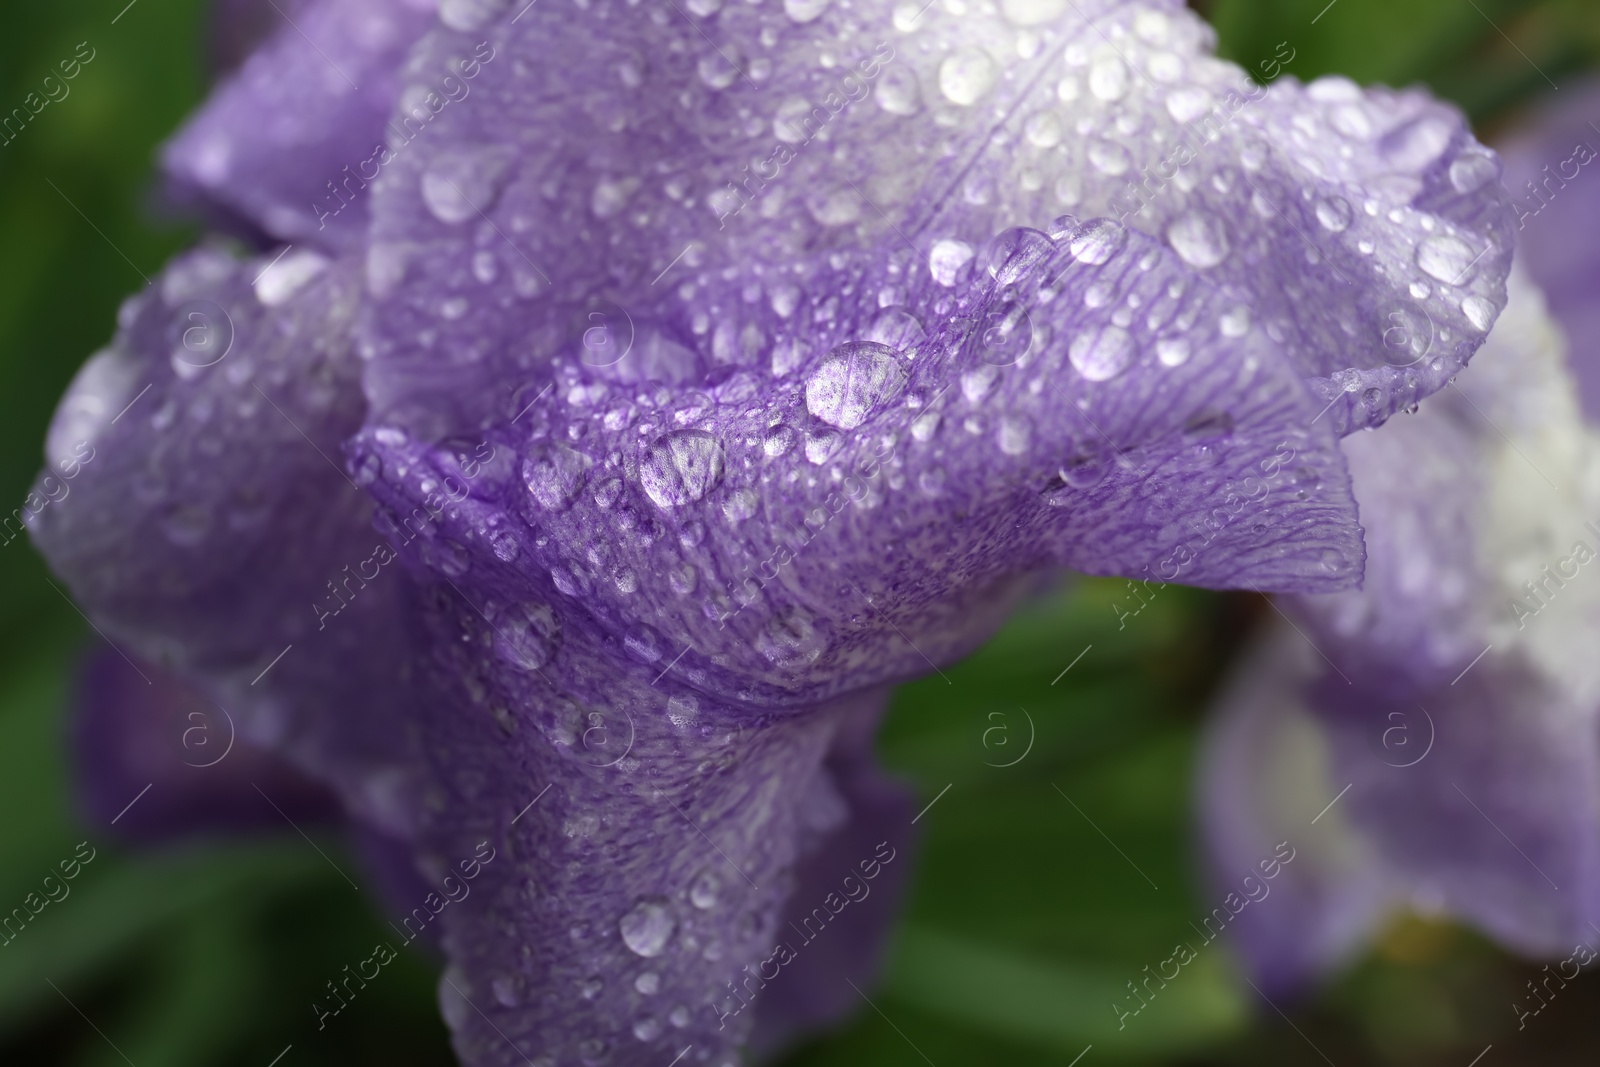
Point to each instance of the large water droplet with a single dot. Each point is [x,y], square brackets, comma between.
[791,639]
[967,75]
[1172,351]
[1108,78]
[1101,354]
[703,893]
[459,186]
[852,382]
[804,10]
[1012,253]
[1479,311]
[898,92]
[1199,237]
[1087,466]
[1447,258]
[1097,240]
[681,467]
[470,14]
[946,258]
[1472,171]
[1334,214]
[647,928]
[555,477]
[527,636]
[897,328]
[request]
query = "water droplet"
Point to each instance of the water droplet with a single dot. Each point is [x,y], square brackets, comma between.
[647,928]
[1108,79]
[898,91]
[804,10]
[470,14]
[1449,259]
[820,447]
[791,639]
[852,382]
[897,328]
[1014,434]
[946,258]
[1061,226]
[966,75]
[703,893]
[1087,467]
[366,471]
[1334,214]
[924,426]
[1012,253]
[1109,157]
[1172,351]
[777,441]
[1097,240]
[1007,334]
[1479,311]
[1235,322]
[1043,129]
[740,506]
[681,467]
[1101,354]
[1472,171]
[458,186]
[679,1017]
[505,992]
[527,636]
[647,1029]
[647,983]
[555,477]
[1199,237]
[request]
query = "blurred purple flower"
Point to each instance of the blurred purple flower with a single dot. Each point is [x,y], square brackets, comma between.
[702,374]
[1447,710]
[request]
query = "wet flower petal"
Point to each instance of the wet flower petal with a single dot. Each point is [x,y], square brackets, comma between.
[1456,705]
[203,520]
[288,144]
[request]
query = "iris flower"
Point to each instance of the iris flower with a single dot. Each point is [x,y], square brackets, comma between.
[623,396]
[1429,740]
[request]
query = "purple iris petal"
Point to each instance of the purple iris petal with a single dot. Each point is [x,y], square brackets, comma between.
[1551,172]
[289,142]
[157,761]
[708,387]
[206,523]
[1447,704]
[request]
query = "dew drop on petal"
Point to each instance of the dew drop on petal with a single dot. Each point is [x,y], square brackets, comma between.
[647,983]
[852,382]
[1447,258]
[804,10]
[703,893]
[1479,311]
[967,75]
[1472,171]
[1334,214]
[647,928]
[1172,351]
[1199,237]
[898,92]
[1101,354]
[470,15]
[946,258]
[1012,253]
[681,467]
[1097,240]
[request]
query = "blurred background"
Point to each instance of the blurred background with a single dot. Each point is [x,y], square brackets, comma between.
[1024,923]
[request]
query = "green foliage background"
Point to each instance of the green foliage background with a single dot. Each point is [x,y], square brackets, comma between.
[1024,922]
